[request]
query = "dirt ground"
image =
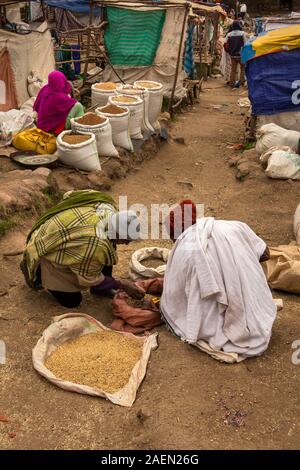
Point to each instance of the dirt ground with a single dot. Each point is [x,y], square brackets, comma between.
[190,401]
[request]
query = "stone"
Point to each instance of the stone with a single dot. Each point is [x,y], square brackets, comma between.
[99,181]
[233,161]
[165,116]
[42,171]
[251,155]
[179,140]
[23,190]
[185,184]
[243,170]
[113,169]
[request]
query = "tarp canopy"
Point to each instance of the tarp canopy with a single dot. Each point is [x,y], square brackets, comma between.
[273,82]
[77,6]
[283,39]
[33,52]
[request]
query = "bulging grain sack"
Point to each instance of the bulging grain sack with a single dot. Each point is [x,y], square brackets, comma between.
[155,90]
[101,92]
[119,121]
[101,128]
[79,354]
[138,268]
[271,135]
[297,225]
[143,93]
[78,151]
[283,164]
[136,112]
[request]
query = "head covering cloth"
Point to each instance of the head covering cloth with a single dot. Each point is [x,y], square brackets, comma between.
[53,102]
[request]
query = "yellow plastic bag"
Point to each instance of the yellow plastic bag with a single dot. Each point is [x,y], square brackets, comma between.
[35,140]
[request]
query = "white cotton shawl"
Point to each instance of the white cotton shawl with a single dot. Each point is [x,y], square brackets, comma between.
[215,289]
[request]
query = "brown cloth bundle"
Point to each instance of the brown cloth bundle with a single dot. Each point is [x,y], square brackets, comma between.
[8,94]
[137,320]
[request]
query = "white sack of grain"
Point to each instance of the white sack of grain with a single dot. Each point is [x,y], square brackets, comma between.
[73,325]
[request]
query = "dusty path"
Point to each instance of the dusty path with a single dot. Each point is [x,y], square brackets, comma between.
[191,401]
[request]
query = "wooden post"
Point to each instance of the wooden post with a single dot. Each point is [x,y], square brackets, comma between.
[43,9]
[187,6]
[89,38]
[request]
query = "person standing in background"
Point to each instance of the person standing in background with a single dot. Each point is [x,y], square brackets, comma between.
[243,10]
[235,41]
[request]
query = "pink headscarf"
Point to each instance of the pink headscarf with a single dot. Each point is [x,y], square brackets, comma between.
[53,102]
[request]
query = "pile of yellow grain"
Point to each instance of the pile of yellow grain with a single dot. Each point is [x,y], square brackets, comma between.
[106,86]
[124,99]
[149,85]
[102,360]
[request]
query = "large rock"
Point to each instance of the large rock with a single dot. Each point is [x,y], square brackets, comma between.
[23,189]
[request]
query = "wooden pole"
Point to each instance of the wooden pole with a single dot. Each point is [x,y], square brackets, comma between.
[43,10]
[187,6]
[89,38]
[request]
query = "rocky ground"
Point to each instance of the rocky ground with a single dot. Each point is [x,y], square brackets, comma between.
[187,399]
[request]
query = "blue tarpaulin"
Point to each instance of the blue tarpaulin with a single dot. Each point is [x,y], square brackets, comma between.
[77,6]
[274,82]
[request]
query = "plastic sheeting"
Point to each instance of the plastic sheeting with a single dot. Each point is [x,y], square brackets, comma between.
[78,6]
[274,83]
[27,53]
[8,97]
[284,39]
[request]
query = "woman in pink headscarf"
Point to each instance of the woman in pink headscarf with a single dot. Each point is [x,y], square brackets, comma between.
[54,105]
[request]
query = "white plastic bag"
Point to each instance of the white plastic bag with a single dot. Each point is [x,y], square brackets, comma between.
[27,108]
[100,96]
[138,271]
[297,225]
[83,156]
[283,164]
[264,158]
[103,134]
[74,325]
[11,123]
[136,113]
[119,127]
[143,93]
[155,100]
[35,83]
[271,135]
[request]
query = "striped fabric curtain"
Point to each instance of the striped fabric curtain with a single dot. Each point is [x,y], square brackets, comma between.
[132,37]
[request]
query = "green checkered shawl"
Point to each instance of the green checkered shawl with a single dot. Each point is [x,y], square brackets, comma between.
[71,237]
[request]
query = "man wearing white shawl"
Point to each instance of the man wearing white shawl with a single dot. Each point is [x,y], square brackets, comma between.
[215,293]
